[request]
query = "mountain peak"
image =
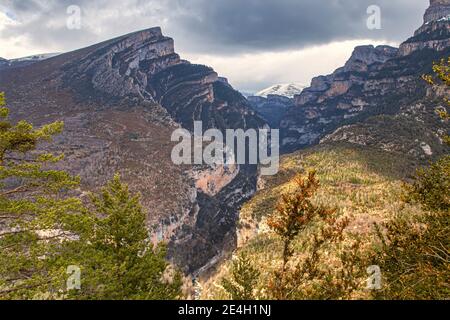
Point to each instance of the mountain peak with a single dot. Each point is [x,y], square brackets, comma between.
[121,100]
[153,32]
[369,55]
[286,90]
[125,64]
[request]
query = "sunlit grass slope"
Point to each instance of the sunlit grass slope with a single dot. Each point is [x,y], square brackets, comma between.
[361,183]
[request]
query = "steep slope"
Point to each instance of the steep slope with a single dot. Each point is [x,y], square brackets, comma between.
[121,100]
[437,10]
[362,183]
[378,97]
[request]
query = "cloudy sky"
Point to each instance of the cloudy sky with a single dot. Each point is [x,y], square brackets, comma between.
[255,43]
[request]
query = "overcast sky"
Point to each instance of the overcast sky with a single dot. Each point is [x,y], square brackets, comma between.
[255,43]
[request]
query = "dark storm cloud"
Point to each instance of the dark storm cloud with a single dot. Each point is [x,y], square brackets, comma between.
[280,24]
[217,26]
[44,23]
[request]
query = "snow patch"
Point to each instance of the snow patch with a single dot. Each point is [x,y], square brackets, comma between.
[287,90]
[36,57]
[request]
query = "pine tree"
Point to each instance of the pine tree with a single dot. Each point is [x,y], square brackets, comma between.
[244,278]
[36,211]
[116,258]
[294,213]
[441,76]
[45,230]
[431,187]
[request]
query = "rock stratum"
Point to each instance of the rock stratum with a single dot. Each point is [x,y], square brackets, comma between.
[120,101]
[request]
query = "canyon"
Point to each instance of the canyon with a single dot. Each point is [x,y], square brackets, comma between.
[122,99]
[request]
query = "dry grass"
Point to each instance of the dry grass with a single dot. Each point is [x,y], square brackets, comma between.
[362,184]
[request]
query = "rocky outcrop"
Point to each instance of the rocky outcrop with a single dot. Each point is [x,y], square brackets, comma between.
[331,99]
[121,100]
[437,10]
[123,66]
[338,83]
[365,56]
[434,33]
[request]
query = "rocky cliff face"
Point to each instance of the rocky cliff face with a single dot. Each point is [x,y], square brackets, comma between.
[331,99]
[122,67]
[434,33]
[121,101]
[378,97]
[437,10]
[365,56]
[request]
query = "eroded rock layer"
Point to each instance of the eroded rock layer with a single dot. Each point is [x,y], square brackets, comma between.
[121,100]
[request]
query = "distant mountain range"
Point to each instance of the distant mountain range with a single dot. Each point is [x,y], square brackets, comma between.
[271,108]
[286,90]
[19,62]
[273,102]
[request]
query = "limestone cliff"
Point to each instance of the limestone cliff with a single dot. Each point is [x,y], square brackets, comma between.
[438,9]
[120,101]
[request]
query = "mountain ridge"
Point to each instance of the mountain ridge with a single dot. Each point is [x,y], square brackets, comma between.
[121,100]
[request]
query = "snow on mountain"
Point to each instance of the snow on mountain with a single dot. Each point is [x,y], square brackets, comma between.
[446,18]
[287,90]
[36,57]
[20,62]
